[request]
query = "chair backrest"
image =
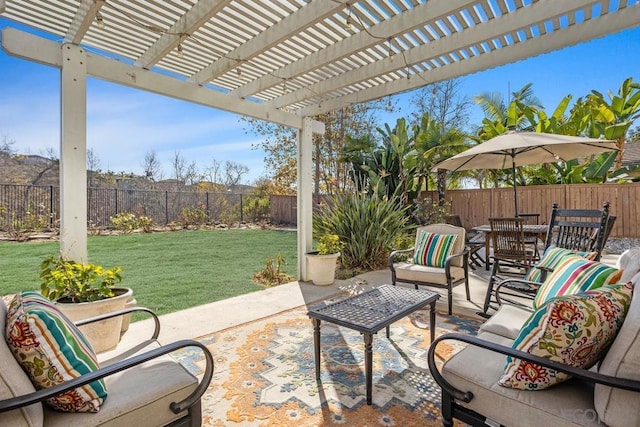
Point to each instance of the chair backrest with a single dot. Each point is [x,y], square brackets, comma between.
[459,244]
[530,218]
[578,229]
[507,235]
[453,220]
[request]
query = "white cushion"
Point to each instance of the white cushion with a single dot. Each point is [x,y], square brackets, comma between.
[139,396]
[424,273]
[478,370]
[507,321]
[620,407]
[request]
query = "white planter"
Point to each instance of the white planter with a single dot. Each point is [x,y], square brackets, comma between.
[322,268]
[103,335]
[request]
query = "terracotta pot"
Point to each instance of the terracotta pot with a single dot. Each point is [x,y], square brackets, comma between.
[322,268]
[103,335]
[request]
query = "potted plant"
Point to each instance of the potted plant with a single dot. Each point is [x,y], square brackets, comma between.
[321,264]
[85,290]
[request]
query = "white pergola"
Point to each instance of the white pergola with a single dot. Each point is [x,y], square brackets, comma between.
[283,61]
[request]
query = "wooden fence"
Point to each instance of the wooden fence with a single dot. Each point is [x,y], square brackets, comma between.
[475,207]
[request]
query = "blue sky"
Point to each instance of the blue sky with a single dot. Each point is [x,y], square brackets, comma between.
[124,124]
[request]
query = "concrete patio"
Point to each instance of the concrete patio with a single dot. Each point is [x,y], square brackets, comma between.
[208,318]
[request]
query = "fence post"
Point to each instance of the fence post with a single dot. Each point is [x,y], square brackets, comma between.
[166,207]
[241,207]
[116,190]
[51,206]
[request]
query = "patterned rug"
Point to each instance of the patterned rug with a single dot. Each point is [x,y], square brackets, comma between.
[265,373]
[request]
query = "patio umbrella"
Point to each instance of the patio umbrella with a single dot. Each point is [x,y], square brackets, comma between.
[524,148]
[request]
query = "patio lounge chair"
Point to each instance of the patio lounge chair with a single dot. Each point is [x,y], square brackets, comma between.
[144,385]
[452,268]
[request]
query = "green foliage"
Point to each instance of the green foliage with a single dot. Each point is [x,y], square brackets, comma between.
[71,281]
[367,224]
[127,222]
[273,275]
[430,212]
[329,244]
[35,219]
[193,216]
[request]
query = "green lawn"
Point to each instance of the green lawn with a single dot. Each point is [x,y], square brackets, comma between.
[167,271]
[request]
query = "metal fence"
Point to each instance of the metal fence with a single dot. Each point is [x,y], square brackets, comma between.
[31,206]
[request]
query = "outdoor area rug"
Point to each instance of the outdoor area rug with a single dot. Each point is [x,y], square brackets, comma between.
[265,373]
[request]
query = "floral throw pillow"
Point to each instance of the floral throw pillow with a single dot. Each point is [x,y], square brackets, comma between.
[433,249]
[573,275]
[572,329]
[550,260]
[52,350]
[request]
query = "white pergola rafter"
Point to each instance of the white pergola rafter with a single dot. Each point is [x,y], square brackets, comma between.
[298,59]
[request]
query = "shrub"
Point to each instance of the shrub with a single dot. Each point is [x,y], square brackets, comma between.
[273,275]
[430,211]
[367,224]
[193,216]
[127,222]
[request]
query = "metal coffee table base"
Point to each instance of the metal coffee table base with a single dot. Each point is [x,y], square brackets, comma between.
[362,313]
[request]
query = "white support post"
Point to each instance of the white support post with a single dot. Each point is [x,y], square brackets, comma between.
[73,153]
[305,196]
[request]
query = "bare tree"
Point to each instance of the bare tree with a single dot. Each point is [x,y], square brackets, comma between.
[234,172]
[444,103]
[6,145]
[51,153]
[93,166]
[213,173]
[151,166]
[179,165]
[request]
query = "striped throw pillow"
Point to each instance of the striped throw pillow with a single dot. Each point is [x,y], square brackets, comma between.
[52,350]
[433,249]
[572,329]
[550,260]
[575,274]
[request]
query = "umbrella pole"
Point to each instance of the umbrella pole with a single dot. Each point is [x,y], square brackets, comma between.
[515,186]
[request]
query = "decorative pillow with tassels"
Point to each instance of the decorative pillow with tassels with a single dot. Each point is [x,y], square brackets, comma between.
[433,249]
[52,350]
[574,329]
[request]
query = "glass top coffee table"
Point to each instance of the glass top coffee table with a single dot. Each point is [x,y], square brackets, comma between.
[369,312]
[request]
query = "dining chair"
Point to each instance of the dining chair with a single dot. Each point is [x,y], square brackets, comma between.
[474,241]
[531,241]
[510,254]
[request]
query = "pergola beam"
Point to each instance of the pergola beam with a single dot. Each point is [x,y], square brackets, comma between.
[600,27]
[82,20]
[360,41]
[272,36]
[197,16]
[34,48]
[483,32]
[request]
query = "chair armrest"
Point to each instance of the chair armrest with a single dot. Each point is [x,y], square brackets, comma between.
[176,407]
[156,320]
[393,254]
[465,261]
[524,288]
[466,396]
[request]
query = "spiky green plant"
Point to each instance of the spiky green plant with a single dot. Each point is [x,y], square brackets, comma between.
[367,224]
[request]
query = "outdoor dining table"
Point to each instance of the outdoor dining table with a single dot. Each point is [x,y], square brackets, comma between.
[538,230]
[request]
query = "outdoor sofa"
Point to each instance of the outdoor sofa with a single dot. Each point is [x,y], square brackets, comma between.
[606,394]
[145,386]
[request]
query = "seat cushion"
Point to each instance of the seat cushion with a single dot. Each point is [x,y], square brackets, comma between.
[139,396]
[507,321]
[432,249]
[575,274]
[52,350]
[618,407]
[423,273]
[478,370]
[14,382]
[571,329]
